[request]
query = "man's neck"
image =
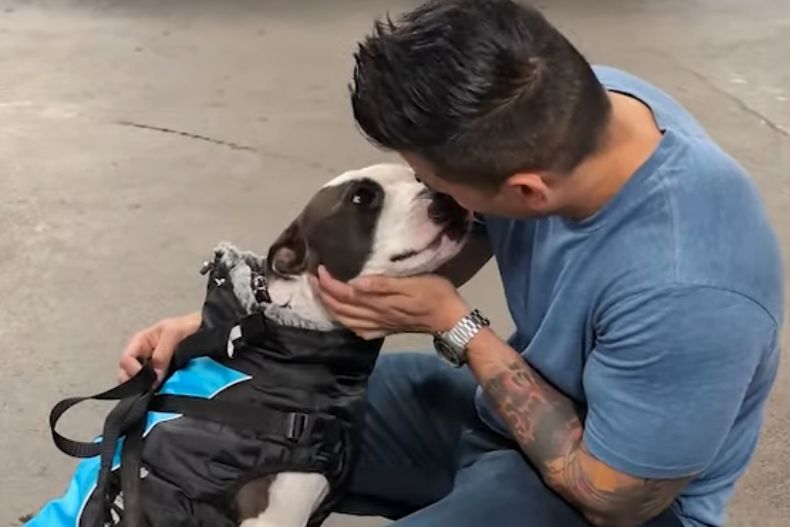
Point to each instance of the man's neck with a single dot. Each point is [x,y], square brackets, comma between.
[631,138]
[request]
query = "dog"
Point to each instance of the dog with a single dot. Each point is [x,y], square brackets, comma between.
[277,350]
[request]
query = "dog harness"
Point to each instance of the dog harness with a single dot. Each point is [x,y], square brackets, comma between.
[245,397]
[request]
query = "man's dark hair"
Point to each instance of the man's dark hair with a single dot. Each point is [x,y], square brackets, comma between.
[482,89]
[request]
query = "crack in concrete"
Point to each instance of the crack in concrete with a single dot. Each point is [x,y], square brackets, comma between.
[189,135]
[232,145]
[743,105]
[740,103]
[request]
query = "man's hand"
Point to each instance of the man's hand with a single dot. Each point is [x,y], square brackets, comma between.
[157,343]
[374,306]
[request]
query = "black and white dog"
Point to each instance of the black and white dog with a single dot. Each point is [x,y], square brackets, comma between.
[258,422]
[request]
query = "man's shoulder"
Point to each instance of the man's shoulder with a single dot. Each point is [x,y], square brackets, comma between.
[618,80]
[668,112]
[721,233]
[611,76]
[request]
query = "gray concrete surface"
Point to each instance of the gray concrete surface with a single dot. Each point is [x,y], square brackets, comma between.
[103,224]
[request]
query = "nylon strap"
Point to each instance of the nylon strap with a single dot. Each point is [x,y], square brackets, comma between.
[134,397]
[294,426]
[137,385]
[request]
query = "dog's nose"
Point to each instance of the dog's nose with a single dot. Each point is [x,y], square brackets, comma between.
[444,209]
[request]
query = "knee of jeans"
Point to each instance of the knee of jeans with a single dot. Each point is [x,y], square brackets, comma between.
[424,377]
[403,369]
[423,372]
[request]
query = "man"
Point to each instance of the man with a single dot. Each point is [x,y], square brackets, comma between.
[639,268]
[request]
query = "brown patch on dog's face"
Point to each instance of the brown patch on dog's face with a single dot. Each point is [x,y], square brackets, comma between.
[336,229]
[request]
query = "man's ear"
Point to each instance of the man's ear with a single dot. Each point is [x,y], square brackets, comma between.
[290,254]
[532,188]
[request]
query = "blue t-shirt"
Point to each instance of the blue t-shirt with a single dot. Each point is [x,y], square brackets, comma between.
[661,313]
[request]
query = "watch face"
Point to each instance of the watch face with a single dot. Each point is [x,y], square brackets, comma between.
[446,352]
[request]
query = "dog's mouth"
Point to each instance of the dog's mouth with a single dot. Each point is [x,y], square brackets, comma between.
[454,230]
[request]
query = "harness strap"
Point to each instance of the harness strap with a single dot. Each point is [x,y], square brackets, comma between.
[213,341]
[294,426]
[134,398]
[119,417]
[131,464]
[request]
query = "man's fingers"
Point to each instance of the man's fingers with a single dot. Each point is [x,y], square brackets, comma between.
[339,308]
[365,305]
[335,288]
[129,367]
[351,296]
[380,285]
[363,328]
[371,335]
[372,285]
[356,324]
[139,346]
[163,353]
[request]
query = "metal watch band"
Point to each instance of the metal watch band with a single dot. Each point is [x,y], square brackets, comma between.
[465,330]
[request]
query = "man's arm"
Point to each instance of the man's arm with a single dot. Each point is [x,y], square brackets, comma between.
[549,430]
[707,342]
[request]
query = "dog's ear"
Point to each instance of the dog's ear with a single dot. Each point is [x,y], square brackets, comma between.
[289,255]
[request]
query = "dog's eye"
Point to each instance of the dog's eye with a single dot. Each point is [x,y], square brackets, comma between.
[363,196]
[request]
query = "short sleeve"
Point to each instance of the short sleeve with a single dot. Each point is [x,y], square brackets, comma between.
[667,377]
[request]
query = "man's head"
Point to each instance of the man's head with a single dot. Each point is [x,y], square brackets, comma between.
[484,98]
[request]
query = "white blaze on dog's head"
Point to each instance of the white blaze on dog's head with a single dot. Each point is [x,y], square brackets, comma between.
[375,220]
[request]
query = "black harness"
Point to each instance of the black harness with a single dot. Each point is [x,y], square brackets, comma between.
[296,404]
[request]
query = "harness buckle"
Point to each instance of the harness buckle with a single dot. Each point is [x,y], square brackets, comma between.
[297,424]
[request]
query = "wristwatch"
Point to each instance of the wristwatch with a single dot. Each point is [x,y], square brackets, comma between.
[451,345]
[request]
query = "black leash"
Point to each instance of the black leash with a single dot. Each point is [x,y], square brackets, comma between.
[126,418]
[131,465]
[136,386]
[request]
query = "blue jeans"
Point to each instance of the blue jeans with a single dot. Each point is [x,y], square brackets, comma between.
[427,460]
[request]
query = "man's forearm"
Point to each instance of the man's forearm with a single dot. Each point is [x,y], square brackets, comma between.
[547,427]
[542,419]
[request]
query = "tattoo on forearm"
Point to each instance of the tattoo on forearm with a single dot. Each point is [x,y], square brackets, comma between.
[611,498]
[548,428]
[543,421]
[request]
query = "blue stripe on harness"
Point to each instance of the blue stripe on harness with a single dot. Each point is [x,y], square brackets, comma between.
[66,511]
[201,377]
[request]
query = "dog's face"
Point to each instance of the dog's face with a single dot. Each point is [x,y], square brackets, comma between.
[376,220]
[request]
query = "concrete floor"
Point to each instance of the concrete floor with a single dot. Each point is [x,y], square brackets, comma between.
[103,223]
